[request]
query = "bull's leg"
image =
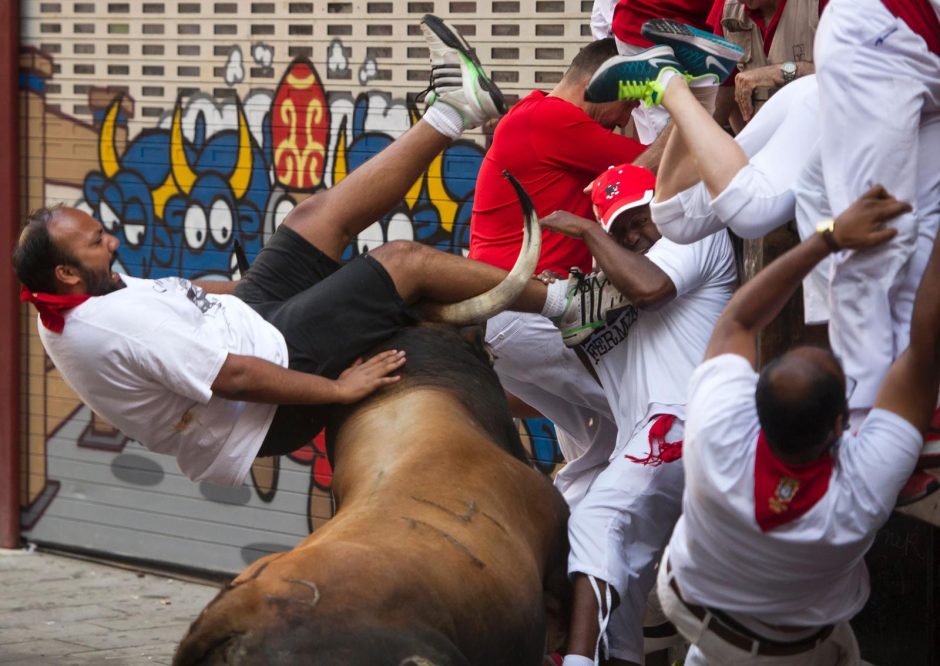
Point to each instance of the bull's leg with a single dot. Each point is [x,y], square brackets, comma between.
[421,273]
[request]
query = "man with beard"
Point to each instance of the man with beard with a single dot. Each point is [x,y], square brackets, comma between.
[217,379]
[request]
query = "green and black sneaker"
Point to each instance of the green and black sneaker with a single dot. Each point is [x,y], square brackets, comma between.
[634,77]
[457,77]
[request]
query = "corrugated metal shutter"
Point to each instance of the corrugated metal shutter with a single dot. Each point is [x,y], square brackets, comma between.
[91,67]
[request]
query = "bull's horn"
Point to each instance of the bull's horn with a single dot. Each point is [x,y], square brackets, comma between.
[480,308]
[241,174]
[182,173]
[107,153]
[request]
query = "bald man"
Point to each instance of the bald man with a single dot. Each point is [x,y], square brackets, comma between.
[773,484]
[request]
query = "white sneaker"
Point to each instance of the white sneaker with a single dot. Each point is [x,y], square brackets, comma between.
[590,301]
[457,77]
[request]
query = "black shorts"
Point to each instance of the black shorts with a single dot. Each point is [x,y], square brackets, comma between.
[329,315]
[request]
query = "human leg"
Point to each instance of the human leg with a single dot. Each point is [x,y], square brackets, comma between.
[533,364]
[331,218]
[617,534]
[871,66]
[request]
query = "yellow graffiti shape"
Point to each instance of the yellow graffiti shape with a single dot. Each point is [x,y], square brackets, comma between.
[300,164]
[241,174]
[106,152]
[446,207]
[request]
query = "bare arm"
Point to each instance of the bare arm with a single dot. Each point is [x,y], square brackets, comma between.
[644,283]
[652,157]
[216,286]
[253,379]
[910,387]
[759,301]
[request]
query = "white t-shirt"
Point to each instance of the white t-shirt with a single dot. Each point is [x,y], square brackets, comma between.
[145,358]
[645,359]
[807,572]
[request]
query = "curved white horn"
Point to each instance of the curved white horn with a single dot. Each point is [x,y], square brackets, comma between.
[480,308]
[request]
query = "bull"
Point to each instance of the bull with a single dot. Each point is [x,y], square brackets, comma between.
[447,547]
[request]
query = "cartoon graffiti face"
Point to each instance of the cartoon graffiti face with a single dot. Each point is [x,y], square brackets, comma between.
[178,206]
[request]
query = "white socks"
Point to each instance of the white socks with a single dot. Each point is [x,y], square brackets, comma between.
[445,119]
[577,660]
[555,298]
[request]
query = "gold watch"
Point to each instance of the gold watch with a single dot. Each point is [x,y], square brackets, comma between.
[825,229]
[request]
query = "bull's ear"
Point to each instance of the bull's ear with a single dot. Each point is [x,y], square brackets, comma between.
[475,336]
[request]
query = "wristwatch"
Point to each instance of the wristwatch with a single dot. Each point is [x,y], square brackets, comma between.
[825,229]
[788,72]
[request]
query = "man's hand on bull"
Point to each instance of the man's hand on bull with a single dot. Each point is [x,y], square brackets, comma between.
[567,223]
[364,377]
[862,225]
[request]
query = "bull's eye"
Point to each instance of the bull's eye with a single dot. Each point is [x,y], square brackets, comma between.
[109,219]
[134,233]
[195,227]
[220,222]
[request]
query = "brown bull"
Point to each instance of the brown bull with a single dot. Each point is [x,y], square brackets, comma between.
[446,547]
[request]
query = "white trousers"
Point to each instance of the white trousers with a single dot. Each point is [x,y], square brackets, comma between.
[708,649]
[533,364]
[619,529]
[778,142]
[879,104]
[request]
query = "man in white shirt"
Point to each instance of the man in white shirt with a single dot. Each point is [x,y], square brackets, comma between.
[766,563]
[216,379]
[643,358]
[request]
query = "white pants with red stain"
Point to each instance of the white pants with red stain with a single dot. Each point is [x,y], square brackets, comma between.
[879,113]
[620,527]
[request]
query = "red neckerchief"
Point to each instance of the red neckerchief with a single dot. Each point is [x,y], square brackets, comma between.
[51,306]
[785,492]
[661,451]
[768,29]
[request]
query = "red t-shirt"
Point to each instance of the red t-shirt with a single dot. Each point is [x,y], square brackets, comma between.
[920,17]
[630,15]
[555,150]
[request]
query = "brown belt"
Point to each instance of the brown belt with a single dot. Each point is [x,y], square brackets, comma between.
[730,631]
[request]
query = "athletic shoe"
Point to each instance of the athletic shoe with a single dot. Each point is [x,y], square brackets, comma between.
[457,77]
[920,485]
[700,53]
[589,301]
[636,76]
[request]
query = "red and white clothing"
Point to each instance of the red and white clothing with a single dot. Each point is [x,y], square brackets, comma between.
[879,80]
[145,358]
[644,361]
[796,568]
[630,15]
[554,149]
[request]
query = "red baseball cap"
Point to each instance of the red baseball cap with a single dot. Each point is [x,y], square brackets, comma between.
[621,188]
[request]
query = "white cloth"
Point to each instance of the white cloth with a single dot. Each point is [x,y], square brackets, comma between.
[602,17]
[618,532]
[839,649]
[618,529]
[879,87]
[644,365]
[778,143]
[534,365]
[145,357]
[810,571]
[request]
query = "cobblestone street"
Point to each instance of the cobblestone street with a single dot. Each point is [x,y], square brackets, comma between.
[62,611]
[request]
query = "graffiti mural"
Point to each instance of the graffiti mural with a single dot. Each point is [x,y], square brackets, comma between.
[179,194]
